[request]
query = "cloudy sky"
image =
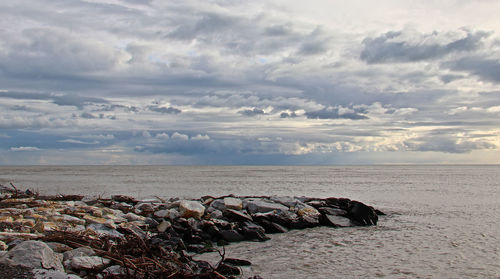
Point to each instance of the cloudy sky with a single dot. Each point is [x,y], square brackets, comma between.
[249,82]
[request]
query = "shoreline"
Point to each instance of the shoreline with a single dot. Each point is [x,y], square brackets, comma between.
[122,237]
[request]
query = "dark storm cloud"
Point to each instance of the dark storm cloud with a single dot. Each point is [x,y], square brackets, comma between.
[333,113]
[288,115]
[487,69]
[58,99]
[251,112]
[167,110]
[395,46]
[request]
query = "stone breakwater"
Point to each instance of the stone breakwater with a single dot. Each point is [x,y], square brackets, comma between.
[121,237]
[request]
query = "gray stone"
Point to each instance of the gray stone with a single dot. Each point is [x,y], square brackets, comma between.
[163,226]
[338,221]
[78,252]
[216,214]
[233,203]
[191,209]
[218,204]
[104,230]
[260,205]
[89,262]
[161,213]
[116,271]
[288,201]
[133,217]
[52,274]
[33,254]
[73,220]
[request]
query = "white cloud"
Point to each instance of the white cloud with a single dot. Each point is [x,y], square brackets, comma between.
[179,136]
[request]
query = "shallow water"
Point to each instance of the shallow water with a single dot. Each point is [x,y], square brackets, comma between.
[443,221]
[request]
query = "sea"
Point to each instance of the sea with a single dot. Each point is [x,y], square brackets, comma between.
[443,221]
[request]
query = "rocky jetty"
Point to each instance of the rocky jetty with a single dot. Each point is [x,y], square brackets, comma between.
[122,237]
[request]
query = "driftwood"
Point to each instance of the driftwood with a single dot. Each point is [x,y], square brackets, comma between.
[140,258]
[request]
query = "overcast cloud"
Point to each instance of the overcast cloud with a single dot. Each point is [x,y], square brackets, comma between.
[263,82]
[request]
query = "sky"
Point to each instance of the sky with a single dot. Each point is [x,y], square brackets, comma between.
[249,82]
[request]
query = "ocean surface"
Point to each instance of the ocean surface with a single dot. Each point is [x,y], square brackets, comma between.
[442,222]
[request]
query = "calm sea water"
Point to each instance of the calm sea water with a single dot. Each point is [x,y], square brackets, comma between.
[442,222]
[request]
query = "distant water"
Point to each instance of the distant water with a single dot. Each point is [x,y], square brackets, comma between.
[443,222]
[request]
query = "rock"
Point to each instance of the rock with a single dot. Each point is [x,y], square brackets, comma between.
[135,229]
[91,219]
[253,231]
[191,209]
[124,199]
[104,230]
[3,246]
[332,211]
[218,204]
[9,236]
[317,203]
[337,221]
[33,254]
[362,214]
[236,216]
[89,262]
[288,201]
[72,219]
[117,271]
[309,211]
[163,226]
[133,217]
[284,218]
[260,205]
[161,213]
[78,252]
[173,214]
[145,207]
[231,236]
[58,247]
[216,214]
[52,274]
[233,203]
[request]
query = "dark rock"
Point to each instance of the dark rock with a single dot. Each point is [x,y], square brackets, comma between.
[362,214]
[303,222]
[263,205]
[317,203]
[336,221]
[379,213]
[231,235]
[341,203]
[236,216]
[285,218]
[237,262]
[151,222]
[271,227]
[227,269]
[332,211]
[253,231]
[122,198]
